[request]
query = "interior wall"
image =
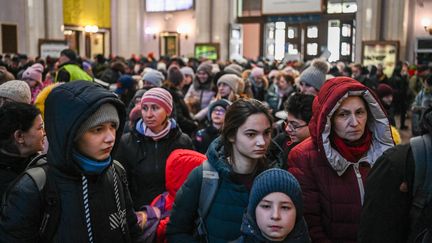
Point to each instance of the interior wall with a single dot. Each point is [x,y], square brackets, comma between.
[251,40]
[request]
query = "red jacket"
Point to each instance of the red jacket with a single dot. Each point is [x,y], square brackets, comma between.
[178,166]
[332,187]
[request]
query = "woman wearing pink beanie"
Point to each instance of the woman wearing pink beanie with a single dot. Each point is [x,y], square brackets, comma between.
[145,149]
[33,76]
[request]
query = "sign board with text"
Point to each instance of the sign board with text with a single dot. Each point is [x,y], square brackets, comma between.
[51,48]
[269,7]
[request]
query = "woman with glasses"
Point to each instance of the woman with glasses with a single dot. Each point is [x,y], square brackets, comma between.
[216,116]
[349,131]
[299,111]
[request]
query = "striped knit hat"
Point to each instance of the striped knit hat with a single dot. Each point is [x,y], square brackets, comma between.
[159,96]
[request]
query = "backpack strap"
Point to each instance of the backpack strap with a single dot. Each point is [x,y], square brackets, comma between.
[209,186]
[421,147]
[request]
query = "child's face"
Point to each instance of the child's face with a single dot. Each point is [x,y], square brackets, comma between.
[98,141]
[276,216]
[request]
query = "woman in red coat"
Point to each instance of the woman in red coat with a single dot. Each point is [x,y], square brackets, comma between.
[349,131]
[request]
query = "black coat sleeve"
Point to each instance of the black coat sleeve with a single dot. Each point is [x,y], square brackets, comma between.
[21,212]
[385,213]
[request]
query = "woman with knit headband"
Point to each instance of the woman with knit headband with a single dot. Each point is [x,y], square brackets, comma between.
[144,150]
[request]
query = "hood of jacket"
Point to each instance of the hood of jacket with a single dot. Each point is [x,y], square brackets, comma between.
[66,108]
[216,157]
[178,166]
[331,95]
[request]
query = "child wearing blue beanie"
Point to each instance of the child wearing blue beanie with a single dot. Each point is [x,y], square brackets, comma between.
[275,210]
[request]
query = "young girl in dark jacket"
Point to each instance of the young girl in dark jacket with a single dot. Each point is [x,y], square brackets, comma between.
[238,155]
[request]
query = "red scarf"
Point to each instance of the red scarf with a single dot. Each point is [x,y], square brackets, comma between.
[353,152]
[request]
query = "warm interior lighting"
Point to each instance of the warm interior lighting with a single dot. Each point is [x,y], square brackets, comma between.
[427,25]
[150,31]
[91,28]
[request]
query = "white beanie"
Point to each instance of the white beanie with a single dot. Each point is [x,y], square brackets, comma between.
[16,90]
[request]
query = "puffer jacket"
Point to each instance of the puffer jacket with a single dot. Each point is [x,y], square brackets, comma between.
[179,165]
[145,160]
[224,218]
[10,167]
[108,198]
[333,188]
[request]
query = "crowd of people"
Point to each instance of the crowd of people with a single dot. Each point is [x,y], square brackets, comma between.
[186,150]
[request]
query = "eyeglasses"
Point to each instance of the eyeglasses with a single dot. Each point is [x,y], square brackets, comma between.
[219,111]
[293,126]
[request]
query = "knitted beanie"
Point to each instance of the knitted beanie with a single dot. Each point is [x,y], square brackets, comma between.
[384,90]
[234,69]
[34,72]
[16,90]
[154,77]
[275,180]
[106,113]
[175,75]
[257,71]
[222,102]
[69,53]
[188,71]
[205,67]
[315,74]
[159,96]
[231,80]
[125,82]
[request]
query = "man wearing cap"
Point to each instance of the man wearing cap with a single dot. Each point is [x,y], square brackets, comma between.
[69,70]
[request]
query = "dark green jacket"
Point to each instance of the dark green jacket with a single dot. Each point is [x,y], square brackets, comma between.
[225,214]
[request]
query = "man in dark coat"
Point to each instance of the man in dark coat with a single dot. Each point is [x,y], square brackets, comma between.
[389,193]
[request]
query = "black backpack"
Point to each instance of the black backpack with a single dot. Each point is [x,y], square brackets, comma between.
[38,171]
[209,187]
[421,208]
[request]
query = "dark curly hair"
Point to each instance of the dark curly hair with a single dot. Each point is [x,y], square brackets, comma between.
[300,106]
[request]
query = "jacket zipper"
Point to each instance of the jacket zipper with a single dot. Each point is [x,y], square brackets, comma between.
[156,148]
[360,182]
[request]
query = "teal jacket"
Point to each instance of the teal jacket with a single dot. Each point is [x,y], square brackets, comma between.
[224,218]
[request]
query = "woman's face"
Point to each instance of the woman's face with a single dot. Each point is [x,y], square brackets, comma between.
[202,76]
[297,129]
[187,79]
[282,83]
[224,90]
[252,138]
[349,120]
[154,116]
[98,141]
[276,216]
[218,115]
[33,139]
